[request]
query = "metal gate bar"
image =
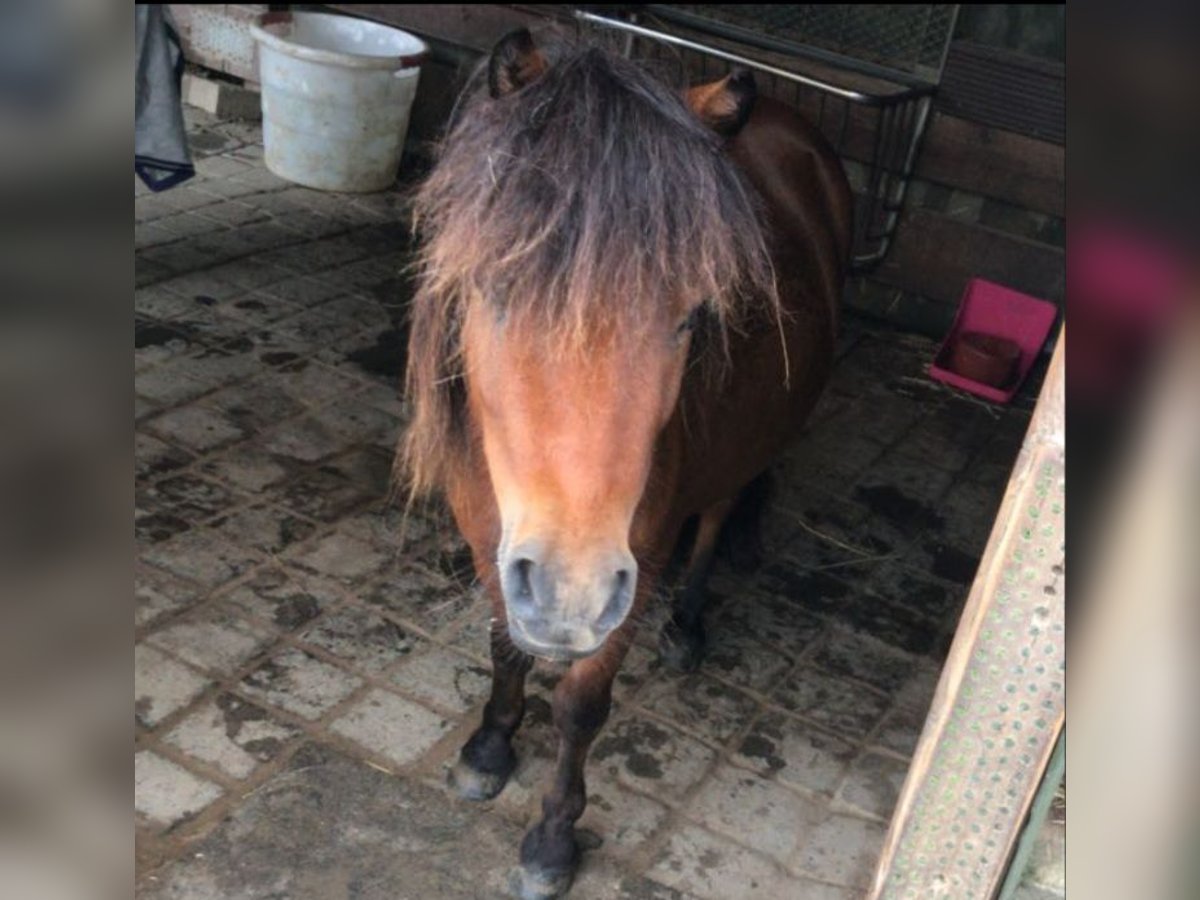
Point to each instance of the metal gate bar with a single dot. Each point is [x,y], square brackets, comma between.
[899,115]
[1000,705]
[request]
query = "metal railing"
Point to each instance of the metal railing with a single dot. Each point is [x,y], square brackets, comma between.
[879,129]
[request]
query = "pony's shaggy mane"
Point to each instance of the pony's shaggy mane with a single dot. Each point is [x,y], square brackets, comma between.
[578,202]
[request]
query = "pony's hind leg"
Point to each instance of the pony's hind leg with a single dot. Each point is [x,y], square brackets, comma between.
[487,759]
[741,535]
[681,642]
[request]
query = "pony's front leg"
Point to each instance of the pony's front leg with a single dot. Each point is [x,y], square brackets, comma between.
[549,854]
[487,758]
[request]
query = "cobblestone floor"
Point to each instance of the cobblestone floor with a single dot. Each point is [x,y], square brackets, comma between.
[308,663]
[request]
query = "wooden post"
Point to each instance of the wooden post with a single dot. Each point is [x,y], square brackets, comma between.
[999,705]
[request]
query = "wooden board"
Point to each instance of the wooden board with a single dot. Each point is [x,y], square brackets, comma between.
[477,26]
[935,256]
[996,163]
[1007,89]
[999,706]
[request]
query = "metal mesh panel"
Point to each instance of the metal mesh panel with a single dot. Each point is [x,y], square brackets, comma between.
[876,131]
[911,39]
[876,164]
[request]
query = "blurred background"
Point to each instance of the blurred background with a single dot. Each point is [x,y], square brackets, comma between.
[66,130]
[66,126]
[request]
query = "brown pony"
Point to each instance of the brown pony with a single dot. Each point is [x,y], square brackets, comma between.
[626,307]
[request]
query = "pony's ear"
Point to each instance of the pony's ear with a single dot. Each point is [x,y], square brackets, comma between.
[515,62]
[724,105]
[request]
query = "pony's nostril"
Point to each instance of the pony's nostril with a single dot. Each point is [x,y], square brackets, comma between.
[623,579]
[618,602]
[519,585]
[524,572]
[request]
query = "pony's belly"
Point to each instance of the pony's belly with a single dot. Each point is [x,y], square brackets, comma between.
[731,435]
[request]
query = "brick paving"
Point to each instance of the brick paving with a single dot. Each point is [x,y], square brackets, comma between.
[309,659]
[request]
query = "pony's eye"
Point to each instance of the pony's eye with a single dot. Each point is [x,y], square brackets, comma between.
[690,323]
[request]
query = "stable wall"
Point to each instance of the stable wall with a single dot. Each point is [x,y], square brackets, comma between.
[986,200]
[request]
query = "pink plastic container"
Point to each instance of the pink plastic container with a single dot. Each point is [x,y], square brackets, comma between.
[994,309]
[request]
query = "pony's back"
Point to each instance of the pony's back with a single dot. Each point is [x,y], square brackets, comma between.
[732,429]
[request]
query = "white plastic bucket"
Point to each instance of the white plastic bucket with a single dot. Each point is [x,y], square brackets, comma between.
[336,96]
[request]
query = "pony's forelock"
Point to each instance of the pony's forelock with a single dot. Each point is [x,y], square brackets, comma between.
[582,200]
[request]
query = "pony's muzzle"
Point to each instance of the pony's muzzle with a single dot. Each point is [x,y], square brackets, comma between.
[560,611]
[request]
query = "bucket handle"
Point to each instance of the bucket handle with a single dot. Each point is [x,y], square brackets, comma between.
[412,61]
[275,18]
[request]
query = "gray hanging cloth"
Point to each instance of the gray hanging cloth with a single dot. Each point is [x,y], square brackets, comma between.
[161,156]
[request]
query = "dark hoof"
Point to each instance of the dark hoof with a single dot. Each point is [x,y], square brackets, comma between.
[471,784]
[681,650]
[536,883]
[483,767]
